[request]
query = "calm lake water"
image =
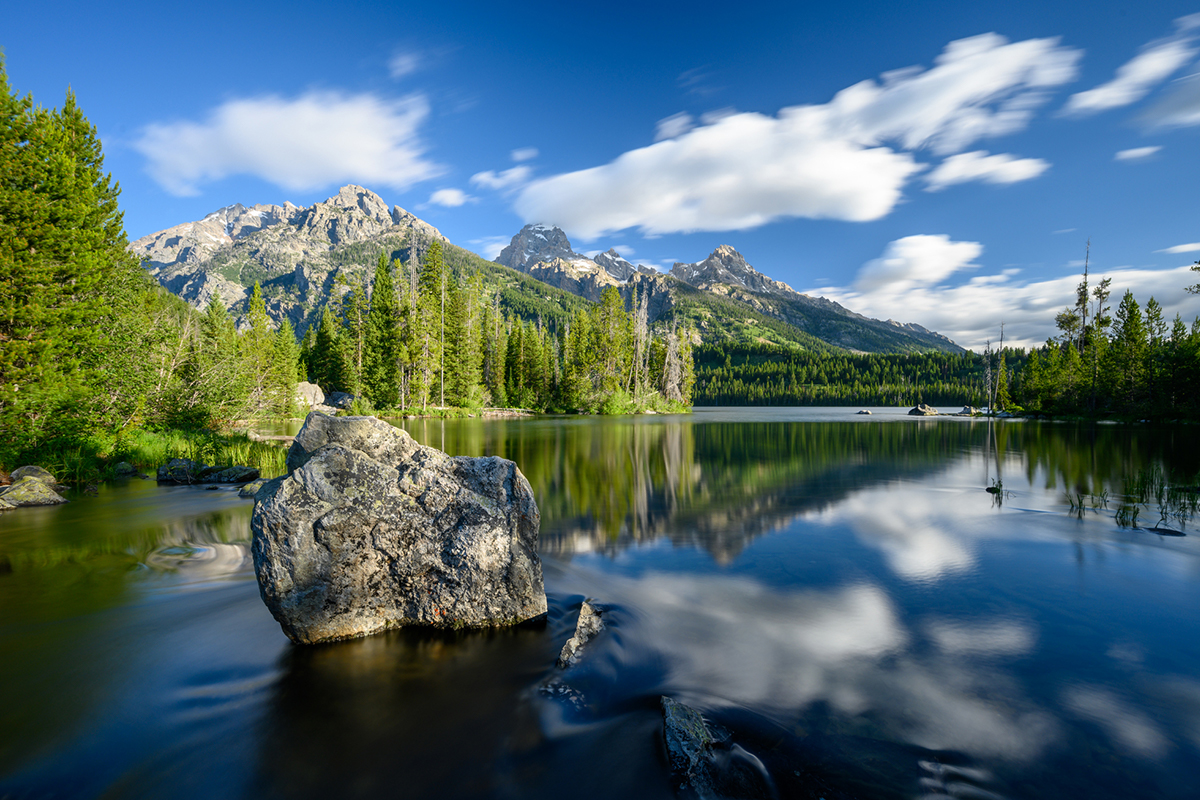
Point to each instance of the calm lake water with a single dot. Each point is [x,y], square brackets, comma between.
[837,591]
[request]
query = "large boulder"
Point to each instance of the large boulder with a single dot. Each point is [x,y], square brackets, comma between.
[309,395]
[45,476]
[922,410]
[342,400]
[370,530]
[30,491]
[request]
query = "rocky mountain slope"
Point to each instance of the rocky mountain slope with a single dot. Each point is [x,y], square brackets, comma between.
[305,258]
[295,253]
[729,290]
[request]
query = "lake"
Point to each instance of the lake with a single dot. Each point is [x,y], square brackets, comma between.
[838,592]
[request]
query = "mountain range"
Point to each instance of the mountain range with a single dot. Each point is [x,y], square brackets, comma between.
[304,257]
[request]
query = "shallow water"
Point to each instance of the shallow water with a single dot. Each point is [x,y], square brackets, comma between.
[837,591]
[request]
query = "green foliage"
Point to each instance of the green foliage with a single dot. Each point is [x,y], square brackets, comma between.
[765,374]
[1130,365]
[65,278]
[381,378]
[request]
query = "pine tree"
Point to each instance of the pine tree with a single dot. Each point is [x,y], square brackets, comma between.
[257,348]
[1127,353]
[495,349]
[65,276]
[428,332]
[325,362]
[383,345]
[285,370]
[611,325]
[354,331]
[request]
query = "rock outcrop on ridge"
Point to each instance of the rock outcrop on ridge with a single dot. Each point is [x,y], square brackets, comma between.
[296,253]
[370,531]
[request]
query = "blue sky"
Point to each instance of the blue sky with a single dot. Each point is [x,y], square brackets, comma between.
[943,165]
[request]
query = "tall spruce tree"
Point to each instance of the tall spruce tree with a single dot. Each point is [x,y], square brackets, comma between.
[65,276]
[382,383]
[285,366]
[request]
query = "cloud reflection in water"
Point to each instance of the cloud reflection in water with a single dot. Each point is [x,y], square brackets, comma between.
[731,641]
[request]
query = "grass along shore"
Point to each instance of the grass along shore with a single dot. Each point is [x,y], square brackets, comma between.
[92,459]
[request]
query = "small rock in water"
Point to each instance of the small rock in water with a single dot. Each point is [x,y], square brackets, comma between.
[370,531]
[922,410]
[589,624]
[568,695]
[704,761]
[864,411]
[236,475]
[124,469]
[251,488]
[180,470]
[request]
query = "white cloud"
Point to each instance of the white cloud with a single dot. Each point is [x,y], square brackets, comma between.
[1192,247]
[673,126]
[1180,108]
[318,139]
[979,166]
[1135,153]
[450,198]
[490,246]
[1066,230]
[905,284]
[841,160]
[508,179]
[402,64]
[1134,79]
[921,260]
[524,153]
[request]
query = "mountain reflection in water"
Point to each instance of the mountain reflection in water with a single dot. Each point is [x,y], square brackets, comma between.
[838,593]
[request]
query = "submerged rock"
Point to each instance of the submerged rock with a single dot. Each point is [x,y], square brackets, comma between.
[30,491]
[126,470]
[251,488]
[922,410]
[589,624]
[705,762]
[184,470]
[236,475]
[180,470]
[370,531]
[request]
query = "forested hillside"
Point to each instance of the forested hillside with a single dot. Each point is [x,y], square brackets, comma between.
[768,375]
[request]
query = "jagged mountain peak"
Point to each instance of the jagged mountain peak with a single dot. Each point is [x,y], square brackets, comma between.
[352,196]
[725,265]
[615,265]
[536,243]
